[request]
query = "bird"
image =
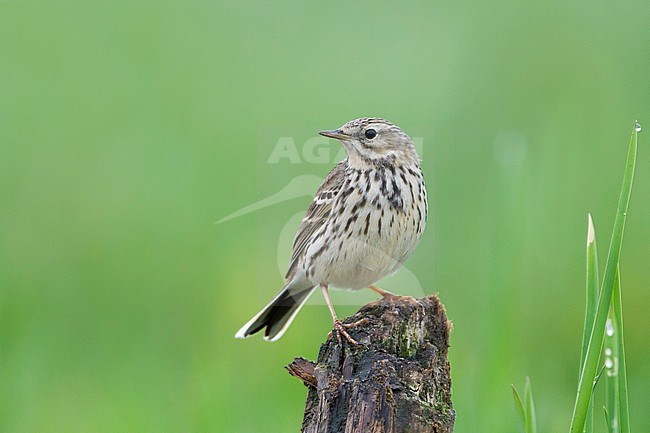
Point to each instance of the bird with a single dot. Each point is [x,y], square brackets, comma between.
[366,219]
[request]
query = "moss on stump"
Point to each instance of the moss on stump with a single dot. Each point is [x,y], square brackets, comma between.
[397,381]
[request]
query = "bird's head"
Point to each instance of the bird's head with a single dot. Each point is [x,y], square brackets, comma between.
[371,140]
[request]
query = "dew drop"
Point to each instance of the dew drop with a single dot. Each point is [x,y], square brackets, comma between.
[608,352]
[609,363]
[609,328]
[637,126]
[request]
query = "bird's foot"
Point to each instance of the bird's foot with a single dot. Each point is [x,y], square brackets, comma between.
[388,296]
[340,327]
[355,324]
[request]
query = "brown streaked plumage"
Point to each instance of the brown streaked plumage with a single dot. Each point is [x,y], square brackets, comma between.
[365,220]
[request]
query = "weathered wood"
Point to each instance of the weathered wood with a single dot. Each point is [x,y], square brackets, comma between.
[398,381]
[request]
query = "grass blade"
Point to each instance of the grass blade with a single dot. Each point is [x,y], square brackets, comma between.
[592,286]
[611,374]
[531,418]
[624,413]
[590,310]
[590,365]
[608,421]
[526,408]
[520,407]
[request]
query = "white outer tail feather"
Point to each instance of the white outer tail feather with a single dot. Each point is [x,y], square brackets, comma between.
[242,331]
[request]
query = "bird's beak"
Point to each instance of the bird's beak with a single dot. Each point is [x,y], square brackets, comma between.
[334,133]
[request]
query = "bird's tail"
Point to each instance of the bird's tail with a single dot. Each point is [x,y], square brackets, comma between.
[279,313]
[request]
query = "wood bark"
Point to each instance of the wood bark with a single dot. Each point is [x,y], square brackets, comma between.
[397,381]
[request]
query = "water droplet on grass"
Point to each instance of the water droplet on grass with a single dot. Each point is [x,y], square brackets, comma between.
[609,328]
[637,126]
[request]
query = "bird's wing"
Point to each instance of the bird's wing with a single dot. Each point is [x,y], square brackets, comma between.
[317,213]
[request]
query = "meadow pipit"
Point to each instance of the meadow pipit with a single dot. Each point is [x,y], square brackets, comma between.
[366,219]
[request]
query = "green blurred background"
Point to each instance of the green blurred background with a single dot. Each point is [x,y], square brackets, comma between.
[127,129]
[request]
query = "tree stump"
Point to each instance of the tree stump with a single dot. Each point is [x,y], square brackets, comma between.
[397,381]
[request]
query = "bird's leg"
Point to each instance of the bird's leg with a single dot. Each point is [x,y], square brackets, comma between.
[386,295]
[338,326]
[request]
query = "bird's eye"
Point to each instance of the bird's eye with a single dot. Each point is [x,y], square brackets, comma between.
[370,134]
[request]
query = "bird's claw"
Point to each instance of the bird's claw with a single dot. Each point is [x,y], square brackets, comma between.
[339,327]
